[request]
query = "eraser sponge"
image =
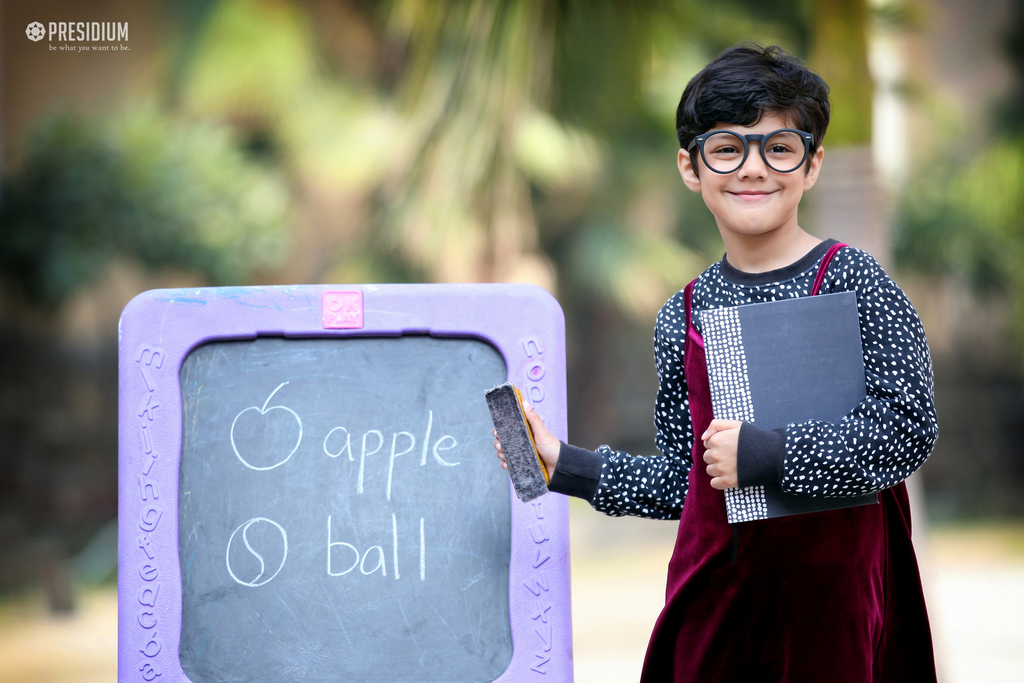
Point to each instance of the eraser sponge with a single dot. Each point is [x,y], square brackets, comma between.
[529,476]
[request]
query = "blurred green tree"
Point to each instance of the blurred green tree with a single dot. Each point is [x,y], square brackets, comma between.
[166,192]
[526,149]
[963,214]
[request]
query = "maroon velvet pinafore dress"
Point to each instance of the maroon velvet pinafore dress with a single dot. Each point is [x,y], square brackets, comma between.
[832,596]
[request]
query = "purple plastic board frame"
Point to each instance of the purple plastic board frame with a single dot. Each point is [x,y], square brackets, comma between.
[159,328]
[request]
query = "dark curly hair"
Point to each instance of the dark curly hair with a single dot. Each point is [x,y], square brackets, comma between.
[745,82]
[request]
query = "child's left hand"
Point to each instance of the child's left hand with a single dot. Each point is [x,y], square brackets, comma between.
[720,440]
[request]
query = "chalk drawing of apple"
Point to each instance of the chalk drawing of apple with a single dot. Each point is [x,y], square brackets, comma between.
[265,434]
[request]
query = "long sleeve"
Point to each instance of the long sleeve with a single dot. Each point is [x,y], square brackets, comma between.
[655,486]
[890,433]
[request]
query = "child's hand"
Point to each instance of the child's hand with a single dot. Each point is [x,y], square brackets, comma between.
[720,440]
[547,445]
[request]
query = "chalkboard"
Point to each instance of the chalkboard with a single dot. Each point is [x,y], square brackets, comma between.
[307,489]
[333,489]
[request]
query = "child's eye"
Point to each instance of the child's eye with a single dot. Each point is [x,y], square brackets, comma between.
[723,145]
[783,144]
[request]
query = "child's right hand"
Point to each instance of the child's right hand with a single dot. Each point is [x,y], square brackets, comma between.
[547,444]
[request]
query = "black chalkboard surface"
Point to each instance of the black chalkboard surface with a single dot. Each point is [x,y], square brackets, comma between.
[341,515]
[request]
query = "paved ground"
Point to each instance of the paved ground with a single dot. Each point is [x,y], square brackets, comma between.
[975,583]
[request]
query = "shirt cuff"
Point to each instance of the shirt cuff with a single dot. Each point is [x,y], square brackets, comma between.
[760,454]
[577,473]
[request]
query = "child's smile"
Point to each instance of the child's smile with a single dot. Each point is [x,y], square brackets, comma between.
[752,195]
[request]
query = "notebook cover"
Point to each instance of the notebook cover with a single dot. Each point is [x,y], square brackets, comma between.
[779,363]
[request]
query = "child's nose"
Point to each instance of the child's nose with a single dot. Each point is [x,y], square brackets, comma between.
[753,166]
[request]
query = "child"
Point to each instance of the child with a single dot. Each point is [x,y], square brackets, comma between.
[832,596]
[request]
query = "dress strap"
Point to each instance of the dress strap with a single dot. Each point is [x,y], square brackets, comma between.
[688,302]
[820,277]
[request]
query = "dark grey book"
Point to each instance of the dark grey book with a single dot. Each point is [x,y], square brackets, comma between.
[780,363]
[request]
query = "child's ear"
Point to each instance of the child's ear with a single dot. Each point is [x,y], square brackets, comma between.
[687,171]
[813,168]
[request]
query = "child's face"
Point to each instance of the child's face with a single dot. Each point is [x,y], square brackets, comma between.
[753,200]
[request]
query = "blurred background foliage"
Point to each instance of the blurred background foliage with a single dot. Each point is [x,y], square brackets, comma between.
[963,215]
[290,141]
[497,141]
[166,191]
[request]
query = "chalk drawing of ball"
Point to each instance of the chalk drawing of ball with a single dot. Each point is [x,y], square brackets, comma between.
[270,541]
[265,434]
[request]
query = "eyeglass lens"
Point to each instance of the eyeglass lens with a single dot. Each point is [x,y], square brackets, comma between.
[784,151]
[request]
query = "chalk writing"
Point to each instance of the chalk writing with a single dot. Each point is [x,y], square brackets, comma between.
[339,440]
[331,544]
[342,557]
[395,454]
[426,439]
[347,446]
[445,443]
[362,456]
[380,561]
[375,554]
[394,545]
[343,442]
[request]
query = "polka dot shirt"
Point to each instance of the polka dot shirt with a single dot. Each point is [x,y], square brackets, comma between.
[877,445]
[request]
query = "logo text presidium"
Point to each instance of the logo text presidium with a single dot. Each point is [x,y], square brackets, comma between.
[77,31]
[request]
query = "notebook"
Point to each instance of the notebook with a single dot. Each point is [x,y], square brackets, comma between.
[779,363]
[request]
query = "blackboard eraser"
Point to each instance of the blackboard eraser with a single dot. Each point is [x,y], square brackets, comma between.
[529,475]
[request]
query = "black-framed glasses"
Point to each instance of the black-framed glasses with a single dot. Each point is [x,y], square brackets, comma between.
[725,151]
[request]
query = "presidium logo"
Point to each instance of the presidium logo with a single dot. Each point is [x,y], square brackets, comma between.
[78,32]
[110,32]
[35,31]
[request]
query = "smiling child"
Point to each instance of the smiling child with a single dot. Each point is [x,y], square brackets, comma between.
[831,596]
